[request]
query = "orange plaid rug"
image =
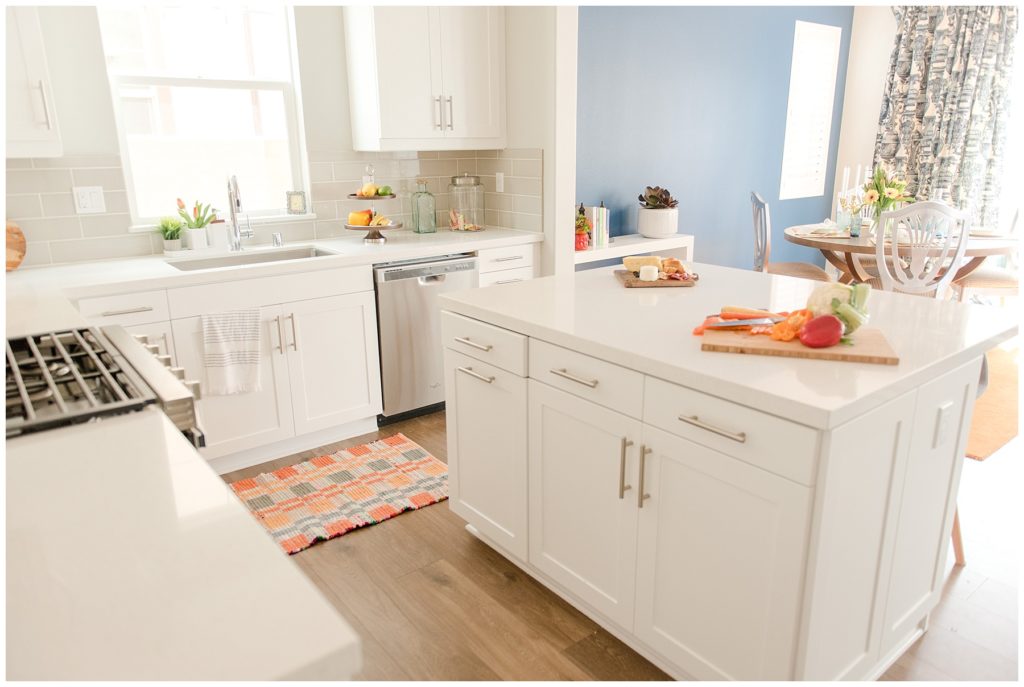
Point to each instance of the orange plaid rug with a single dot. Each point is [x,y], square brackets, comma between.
[330,495]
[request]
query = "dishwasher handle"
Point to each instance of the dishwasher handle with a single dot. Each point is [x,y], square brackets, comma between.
[432,279]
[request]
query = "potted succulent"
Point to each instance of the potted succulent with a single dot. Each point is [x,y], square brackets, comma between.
[170,229]
[583,229]
[658,216]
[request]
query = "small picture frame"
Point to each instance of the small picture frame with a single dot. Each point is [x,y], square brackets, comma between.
[296,202]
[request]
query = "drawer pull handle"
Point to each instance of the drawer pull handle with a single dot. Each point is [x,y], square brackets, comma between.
[507,281]
[474,344]
[641,496]
[295,334]
[623,487]
[471,373]
[740,437]
[561,372]
[126,311]
[508,259]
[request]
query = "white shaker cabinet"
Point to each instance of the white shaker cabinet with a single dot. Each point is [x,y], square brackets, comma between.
[426,78]
[31,120]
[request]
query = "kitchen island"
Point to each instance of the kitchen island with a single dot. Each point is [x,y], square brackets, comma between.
[728,516]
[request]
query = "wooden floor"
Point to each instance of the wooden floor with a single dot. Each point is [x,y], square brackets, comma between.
[433,603]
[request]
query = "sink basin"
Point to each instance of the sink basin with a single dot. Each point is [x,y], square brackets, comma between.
[249,258]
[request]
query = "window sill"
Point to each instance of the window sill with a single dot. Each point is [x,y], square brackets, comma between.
[255,221]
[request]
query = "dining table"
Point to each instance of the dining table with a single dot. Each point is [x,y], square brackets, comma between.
[845,252]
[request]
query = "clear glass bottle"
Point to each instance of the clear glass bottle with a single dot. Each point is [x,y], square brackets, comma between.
[424,216]
[466,199]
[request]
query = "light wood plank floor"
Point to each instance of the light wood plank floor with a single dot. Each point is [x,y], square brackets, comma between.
[433,603]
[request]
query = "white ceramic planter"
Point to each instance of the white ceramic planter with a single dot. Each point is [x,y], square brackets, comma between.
[657,223]
[172,245]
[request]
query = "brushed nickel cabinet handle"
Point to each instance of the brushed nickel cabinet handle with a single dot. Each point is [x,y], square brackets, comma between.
[623,487]
[561,372]
[740,437]
[471,373]
[126,311]
[474,344]
[280,335]
[295,334]
[508,281]
[46,106]
[640,495]
[438,114]
[508,258]
[451,116]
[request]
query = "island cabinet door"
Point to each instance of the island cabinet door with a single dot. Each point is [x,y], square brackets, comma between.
[486,417]
[583,506]
[720,562]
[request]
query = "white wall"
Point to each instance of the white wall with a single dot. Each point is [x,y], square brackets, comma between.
[871,43]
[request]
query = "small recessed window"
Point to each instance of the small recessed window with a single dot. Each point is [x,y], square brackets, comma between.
[201,93]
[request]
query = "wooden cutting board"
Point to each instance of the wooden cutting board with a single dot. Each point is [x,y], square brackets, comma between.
[869,346]
[633,282]
[15,246]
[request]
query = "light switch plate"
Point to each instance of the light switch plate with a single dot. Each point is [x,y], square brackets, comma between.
[89,200]
[943,424]
[499,182]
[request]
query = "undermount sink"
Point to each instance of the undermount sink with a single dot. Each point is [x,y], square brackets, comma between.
[249,258]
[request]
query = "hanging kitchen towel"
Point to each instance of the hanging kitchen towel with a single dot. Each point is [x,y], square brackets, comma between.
[231,348]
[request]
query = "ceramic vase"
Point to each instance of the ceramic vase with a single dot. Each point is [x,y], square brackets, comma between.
[658,223]
[171,245]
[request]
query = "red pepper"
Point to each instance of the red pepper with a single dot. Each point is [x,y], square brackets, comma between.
[822,331]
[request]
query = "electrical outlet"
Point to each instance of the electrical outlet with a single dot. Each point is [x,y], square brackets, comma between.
[943,424]
[499,182]
[89,200]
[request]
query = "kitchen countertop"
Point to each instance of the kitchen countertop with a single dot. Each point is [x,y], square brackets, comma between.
[649,330]
[131,559]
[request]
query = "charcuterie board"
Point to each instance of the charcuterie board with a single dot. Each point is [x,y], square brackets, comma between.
[869,346]
[631,281]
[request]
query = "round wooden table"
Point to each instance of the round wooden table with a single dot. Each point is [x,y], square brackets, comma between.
[844,253]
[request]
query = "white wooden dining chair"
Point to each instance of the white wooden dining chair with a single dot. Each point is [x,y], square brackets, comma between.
[1000,281]
[909,262]
[763,247]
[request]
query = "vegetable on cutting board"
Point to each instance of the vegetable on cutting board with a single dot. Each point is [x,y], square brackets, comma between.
[848,303]
[821,331]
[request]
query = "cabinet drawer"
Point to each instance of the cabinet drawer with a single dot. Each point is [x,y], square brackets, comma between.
[506,276]
[483,341]
[507,258]
[126,308]
[604,383]
[771,443]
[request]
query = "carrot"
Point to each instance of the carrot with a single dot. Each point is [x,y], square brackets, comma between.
[699,330]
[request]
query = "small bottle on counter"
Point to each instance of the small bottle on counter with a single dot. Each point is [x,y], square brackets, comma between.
[424,217]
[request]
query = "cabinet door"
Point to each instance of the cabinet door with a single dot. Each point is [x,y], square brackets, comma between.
[582,531]
[241,421]
[160,335]
[31,121]
[473,70]
[408,72]
[332,360]
[486,417]
[720,562]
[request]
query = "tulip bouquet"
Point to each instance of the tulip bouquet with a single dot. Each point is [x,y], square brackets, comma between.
[884,191]
[201,214]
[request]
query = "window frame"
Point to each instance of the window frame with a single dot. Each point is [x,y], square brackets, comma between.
[292,96]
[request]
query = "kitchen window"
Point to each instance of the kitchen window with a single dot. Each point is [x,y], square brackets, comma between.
[201,93]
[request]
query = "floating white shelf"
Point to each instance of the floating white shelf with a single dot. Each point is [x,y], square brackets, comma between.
[635,244]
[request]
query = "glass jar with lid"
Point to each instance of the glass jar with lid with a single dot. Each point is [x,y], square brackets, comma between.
[466,200]
[424,218]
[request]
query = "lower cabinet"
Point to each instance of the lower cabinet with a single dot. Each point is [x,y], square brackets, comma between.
[583,498]
[720,561]
[486,415]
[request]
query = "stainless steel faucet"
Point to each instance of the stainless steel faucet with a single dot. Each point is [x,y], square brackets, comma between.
[237,233]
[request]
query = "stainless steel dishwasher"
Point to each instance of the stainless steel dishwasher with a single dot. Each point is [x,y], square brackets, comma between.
[409,327]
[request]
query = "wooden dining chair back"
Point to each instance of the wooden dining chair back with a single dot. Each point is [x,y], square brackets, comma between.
[762,232]
[927,245]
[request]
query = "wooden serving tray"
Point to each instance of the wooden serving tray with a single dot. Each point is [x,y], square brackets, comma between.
[632,282]
[869,346]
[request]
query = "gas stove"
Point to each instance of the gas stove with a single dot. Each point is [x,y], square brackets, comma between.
[62,378]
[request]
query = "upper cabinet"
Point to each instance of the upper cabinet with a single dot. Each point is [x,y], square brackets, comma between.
[31,121]
[426,78]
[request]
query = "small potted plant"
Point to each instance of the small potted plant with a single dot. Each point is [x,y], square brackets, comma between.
[658,216]
[196,222]
[583,229]
[170,229]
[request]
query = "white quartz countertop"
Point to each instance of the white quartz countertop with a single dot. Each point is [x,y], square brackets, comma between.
[130,559]
[649,330]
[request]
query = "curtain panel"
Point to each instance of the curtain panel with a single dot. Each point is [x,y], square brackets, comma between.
[945,108]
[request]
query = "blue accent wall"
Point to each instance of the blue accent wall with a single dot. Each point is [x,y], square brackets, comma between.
[694,99]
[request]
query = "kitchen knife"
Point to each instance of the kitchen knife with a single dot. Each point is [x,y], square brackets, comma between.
[758,322]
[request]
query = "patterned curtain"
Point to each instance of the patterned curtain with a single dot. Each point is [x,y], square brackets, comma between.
[944,112]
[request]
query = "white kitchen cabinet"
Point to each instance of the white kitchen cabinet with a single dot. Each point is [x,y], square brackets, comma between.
[720,561]
[426,78]
[32,129]
[238,422]
[582,495]
[485,413]
[333,368]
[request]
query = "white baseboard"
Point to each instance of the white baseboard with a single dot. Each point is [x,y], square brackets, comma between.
[255,456]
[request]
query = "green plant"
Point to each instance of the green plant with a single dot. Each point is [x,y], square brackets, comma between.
[883,191]
[170,228]
[656,198]
[201,214]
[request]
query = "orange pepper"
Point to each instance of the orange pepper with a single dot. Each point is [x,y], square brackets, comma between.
[788,329]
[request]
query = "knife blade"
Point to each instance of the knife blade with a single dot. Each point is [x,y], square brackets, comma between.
[758,322]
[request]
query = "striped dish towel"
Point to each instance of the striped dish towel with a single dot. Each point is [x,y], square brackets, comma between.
[231,347]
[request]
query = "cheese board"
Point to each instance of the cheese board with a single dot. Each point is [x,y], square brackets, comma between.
[869,346]
[631,281]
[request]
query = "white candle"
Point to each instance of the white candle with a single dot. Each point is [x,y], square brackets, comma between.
[856,179]
[846,179]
